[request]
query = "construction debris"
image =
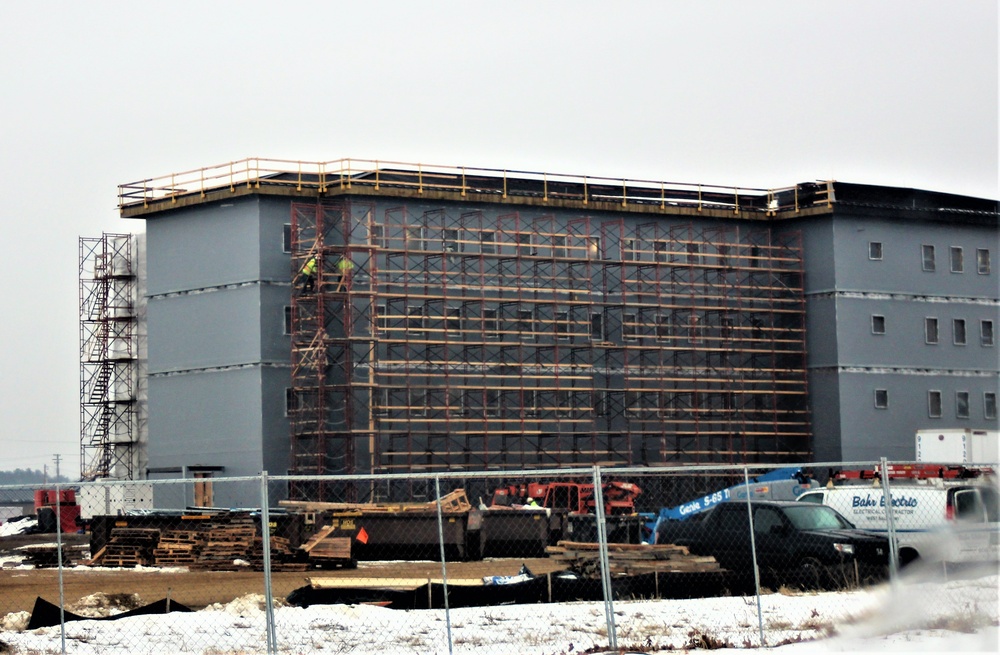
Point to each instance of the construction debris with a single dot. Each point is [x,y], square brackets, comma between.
[630,559]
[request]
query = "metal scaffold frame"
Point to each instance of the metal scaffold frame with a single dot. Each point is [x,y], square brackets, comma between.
[108,357]
[467,340]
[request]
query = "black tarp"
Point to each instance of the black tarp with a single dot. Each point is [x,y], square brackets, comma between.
[46,614]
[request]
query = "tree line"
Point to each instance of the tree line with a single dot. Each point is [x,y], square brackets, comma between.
[29,476]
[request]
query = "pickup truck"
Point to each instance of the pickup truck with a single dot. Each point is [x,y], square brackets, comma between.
[795,542]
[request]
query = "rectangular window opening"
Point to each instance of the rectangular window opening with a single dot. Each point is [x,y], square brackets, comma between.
[881,399]
[990,405]
[983,261]
[958,331]
[878,324]
[875,250]
[957,260]
[930,330]
[986,333]
[934,404]
[961,404]
[927,258]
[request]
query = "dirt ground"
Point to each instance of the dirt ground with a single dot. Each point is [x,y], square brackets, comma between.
[19,587]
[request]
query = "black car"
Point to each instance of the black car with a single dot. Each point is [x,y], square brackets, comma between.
[814,542]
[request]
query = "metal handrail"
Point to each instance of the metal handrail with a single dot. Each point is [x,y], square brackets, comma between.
[255,172]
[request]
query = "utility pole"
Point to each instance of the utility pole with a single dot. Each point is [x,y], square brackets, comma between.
[57,467]
[45,473]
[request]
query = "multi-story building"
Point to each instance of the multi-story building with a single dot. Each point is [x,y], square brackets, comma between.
[481,319]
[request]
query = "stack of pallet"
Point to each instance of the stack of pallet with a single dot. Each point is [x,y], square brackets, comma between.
[326,551]
[128,547]
[227,543]
[630,559]
[178,547]
[283,558]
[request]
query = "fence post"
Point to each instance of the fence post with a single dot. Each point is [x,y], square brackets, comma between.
[753,556]
[444,567]
[602,549]
[59,560]
[265,536]
[890,524]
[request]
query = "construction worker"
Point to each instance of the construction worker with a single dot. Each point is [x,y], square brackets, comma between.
[308,273]
[531,502]
[344,268]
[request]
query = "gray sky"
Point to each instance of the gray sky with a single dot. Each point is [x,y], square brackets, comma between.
[754,94]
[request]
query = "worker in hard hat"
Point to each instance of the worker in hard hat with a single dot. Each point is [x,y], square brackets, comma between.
[531,502]
[344,268]
[308,275]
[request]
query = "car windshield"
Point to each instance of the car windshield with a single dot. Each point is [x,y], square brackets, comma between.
[816,517]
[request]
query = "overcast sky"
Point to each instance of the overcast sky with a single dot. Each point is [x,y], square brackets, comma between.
[754,94]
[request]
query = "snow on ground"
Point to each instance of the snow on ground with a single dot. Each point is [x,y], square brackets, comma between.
[961,615]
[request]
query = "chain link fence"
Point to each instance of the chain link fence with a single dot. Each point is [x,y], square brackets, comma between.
[561,561]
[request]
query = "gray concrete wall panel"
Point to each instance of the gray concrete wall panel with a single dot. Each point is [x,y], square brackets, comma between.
[204,246]
[210,329]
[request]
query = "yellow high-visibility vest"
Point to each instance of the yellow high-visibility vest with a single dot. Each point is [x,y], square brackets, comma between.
[310,267]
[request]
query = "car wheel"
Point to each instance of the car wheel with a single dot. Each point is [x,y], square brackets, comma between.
[813,574]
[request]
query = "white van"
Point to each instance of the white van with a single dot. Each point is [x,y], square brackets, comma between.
[934,520]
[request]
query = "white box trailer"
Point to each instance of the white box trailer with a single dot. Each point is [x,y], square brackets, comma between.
[113,499]
[958,446]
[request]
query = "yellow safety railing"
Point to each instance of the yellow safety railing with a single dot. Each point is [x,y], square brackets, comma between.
[378,175]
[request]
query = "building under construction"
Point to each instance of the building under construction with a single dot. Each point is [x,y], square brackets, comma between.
[464,319]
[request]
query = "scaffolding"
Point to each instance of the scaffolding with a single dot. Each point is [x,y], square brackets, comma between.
[467,340]
[108,357]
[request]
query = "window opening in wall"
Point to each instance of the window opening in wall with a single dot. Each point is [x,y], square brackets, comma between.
[562,325]
[881,399]
[559,246]
[382,409]
[287,328]
[628,250]
[628,326]
[487,243]
[593,248]
[662,327]
[693,253]
[286,237]
[934,404]
[962,404]
[415,319]
[930,330]
[958,331]
[990,404]
[660,251]
[927,255]
[525,323]
[986,333]
[291,401]
[524,244]
[453,321]
[878,324]
[492,402]
[600,402]
[450,241]
[418,402]
[491,326]
[415,238]
[875,250]
[378,235]
[597,327]
[957,260]
[380,318]
[983,261]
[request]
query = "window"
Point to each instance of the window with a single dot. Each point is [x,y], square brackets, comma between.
[878,324]
[287,329]
[525,323]
[378,235]
[958,331]
[927,254]
[628,326]
[291,401]
[957,261]
[600,397]
[418,402]
[524,245]
[875,250]
[597,326]
[492,402]
[693,253]
[990,404]
[380,317]
[881,399]
[930,330]
[662,327]
[415,238]
[450,241]
[286,237]
[593,248]
[983,261]
[961,404]
[415,319]
[562,325]
[934,404]
[487,243]
[558,246]
[660,251]
[986,333]
[453,321]
[491,326]
[382,409]
[628,250]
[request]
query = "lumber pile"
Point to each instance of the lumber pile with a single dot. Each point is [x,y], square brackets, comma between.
[178,548]
[630,559]
[455,502]
[128,548]
[229,538]
[325,550]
